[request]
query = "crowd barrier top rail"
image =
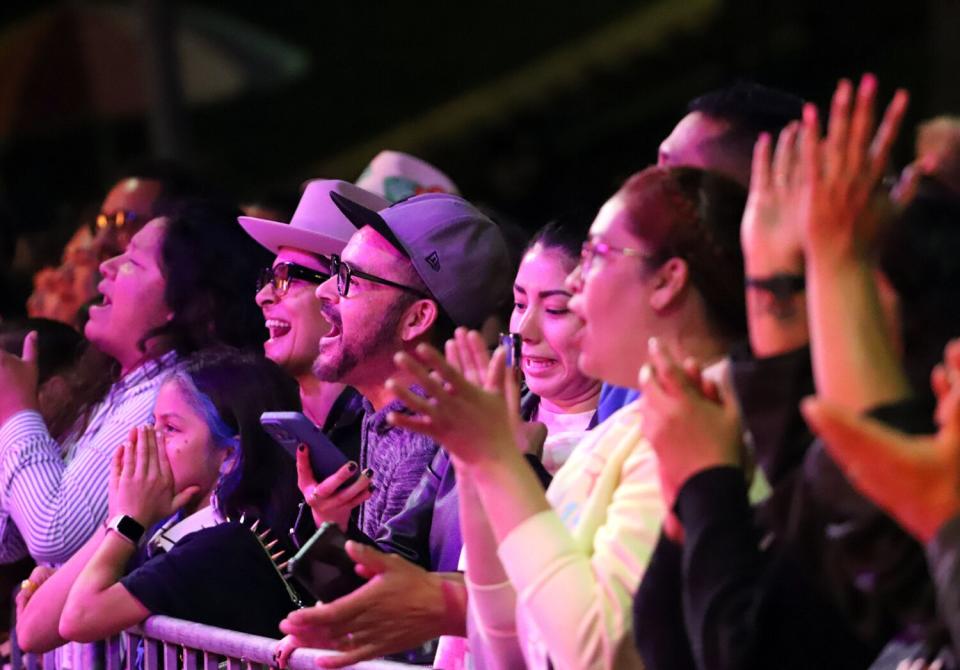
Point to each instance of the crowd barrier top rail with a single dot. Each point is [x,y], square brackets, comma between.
[175,644]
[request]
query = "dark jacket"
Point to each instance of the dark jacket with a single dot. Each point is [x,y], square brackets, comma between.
[816,576]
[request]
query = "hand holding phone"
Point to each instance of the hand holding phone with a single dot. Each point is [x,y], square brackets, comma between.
[291,429]
[323,567]
[512,343]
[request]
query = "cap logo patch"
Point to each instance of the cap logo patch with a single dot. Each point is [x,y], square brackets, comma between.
[434,261]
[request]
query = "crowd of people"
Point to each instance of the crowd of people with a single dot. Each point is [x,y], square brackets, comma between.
[724,431]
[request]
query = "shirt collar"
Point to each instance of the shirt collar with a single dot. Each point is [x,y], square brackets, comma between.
[175,529]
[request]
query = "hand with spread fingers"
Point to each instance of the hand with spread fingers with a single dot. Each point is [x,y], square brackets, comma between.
[840,173]
[467,352]
[141,482]
[473,423]
[691,424]
[770,231]
[400,607]
[916,479]
[334,498]
[18,379]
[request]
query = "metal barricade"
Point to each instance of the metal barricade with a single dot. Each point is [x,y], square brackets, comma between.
[164,643]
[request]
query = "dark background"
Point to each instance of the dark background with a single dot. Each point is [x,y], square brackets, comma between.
[535,108]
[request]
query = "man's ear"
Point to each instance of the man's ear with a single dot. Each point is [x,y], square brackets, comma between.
[418,318]
[669,282]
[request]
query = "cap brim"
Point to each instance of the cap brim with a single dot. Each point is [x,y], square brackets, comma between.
[273,235]
[360,216]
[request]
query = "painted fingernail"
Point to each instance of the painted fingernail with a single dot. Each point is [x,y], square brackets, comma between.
[352,467]
[372,488]
[368,473]
[301,447]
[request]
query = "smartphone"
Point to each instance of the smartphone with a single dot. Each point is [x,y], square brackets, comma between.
[291,429]
[511,342]
[322,566]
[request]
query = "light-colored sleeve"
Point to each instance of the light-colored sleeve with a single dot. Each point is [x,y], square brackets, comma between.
[57,505]
[579,590]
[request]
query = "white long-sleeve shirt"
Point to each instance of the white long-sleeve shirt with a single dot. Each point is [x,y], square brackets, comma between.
[573,570]
[52,498]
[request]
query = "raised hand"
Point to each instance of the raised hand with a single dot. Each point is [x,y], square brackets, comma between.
[327,500]
[841,172]
[141,481]
[18,379]
[473,423]
[770,232]
[467,353]
[691,424]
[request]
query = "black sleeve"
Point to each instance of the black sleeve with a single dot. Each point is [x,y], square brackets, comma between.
[943,552]
[746,605]
[658,627]
[769,391]
[408,533]
[218,576]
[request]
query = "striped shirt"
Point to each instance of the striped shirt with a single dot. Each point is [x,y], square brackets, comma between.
[52,498]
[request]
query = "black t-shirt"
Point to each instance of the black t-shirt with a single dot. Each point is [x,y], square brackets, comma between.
[219,576]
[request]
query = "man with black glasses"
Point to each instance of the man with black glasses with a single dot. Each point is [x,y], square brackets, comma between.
[410,274]
[291,310]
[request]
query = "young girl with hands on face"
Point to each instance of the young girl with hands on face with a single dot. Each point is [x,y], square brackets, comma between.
[204,465]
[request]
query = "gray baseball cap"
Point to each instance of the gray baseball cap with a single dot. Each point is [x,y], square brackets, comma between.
[457,251]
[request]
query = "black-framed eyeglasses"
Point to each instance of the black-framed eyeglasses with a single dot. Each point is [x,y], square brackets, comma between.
[280,275]
[344,272]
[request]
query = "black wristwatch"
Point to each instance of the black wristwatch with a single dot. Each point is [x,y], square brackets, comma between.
[127,527]
[781,285]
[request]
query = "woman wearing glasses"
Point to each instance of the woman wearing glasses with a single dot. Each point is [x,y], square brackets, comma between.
[551,577]
[204,465]
[286,295]
[180,286]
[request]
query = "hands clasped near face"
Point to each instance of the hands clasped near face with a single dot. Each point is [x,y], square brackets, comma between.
[141,481]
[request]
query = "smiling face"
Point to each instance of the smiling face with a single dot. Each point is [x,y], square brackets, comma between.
[133,302]
[364,335]
[194,457]
[549,330]
[294,320]
[614,301]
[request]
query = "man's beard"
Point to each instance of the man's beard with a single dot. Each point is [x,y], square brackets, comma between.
[336,365]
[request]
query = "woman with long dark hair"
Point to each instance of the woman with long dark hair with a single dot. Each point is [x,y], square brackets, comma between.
[198,478]
[181,285]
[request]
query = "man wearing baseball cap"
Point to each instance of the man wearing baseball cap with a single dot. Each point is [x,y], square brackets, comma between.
[411,274]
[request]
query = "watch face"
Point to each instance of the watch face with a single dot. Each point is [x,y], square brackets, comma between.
[128,527]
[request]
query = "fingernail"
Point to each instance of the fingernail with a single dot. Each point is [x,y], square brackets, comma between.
[301,447]
[368,473]
[352,467]
[644,374]
[372,488]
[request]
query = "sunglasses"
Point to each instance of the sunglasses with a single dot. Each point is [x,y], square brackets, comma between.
[280,275]
[345,272]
